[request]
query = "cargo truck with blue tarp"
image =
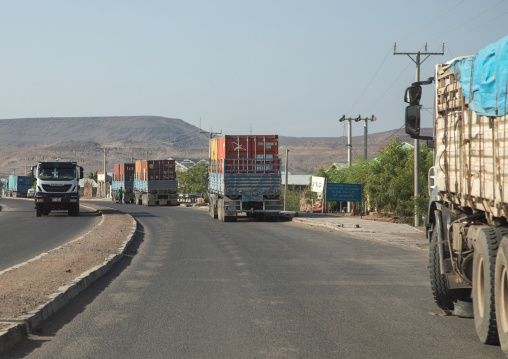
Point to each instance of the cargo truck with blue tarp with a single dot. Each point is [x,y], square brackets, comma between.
[467,219]
[244,177]
[18,186]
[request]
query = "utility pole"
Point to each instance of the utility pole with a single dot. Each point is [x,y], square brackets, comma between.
[105,176]
[349,146]
[417,60]
[365,131]
[343,118]
[286,185]
[210,135]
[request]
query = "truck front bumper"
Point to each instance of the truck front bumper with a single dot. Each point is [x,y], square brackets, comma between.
[56,200]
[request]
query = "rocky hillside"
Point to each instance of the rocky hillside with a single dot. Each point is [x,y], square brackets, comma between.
[41,131]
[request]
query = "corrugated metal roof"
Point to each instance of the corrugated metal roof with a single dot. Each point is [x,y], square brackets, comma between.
[296,180]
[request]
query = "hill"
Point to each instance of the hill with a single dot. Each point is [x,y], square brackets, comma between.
[40,131]
[23,142]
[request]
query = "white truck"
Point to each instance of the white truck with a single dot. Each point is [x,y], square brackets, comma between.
[467,221]
[57,187]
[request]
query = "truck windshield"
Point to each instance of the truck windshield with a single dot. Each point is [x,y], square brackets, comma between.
[61,174]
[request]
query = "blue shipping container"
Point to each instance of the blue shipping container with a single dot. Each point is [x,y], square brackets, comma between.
[19,184]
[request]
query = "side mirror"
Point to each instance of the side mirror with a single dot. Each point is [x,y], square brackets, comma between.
[413,95]
[413,121]
[80,172]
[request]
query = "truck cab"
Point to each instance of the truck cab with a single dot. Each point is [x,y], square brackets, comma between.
[57,187]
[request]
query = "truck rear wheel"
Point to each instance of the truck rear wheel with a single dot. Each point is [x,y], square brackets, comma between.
[212,209]
[484,261]
[501,292]
[438,282]
[220,210]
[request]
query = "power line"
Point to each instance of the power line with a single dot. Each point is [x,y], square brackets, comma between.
[372,79]
[434,20]
[471,19]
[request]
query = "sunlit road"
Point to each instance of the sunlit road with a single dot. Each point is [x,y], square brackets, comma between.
[199,288]
[24,236]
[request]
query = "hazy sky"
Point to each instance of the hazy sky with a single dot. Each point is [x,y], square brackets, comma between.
[286,67]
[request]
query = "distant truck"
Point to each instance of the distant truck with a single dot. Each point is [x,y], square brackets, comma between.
[123,177]
[18,186]
[244,177]
[467,220]
[155,183]
[57,187]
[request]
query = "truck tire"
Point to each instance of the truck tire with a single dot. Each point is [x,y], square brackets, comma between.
[501,293]
[74,211]
[438,282]
[220,210]
[38,212]
[213,208]
[484,261]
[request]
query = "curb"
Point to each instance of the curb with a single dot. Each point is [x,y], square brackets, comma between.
[20,327]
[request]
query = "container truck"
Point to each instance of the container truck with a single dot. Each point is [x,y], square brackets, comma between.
[155,183]
[467,220]
[244,177]
[123,177]
[18,186]
[57,187]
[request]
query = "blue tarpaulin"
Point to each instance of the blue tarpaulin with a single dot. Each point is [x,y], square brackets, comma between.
[484,79]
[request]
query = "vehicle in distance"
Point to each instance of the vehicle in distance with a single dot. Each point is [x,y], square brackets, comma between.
[244,177]
[57,187]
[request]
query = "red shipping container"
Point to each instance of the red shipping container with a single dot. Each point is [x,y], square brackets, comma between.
[123,172]
[116,172]
[127,172]
[155,170]
[243,154]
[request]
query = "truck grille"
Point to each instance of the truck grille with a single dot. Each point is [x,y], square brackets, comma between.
[53,188]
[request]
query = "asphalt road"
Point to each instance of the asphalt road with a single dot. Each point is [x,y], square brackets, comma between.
[24,236]
[199,288]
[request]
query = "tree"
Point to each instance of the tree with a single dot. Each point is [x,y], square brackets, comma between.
[388,180]
[194,180]
[93,176]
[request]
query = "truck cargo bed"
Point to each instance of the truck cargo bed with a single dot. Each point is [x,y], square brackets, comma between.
[471,151]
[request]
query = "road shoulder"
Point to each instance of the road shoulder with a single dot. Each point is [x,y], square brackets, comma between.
[33,290]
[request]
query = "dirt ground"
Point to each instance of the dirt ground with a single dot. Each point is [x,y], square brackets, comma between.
[26,287]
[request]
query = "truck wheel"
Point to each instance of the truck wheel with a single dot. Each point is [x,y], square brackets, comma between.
[501,292]
[38,212]
[213,208]
[73,211]
[220,210]
[484,261]
[438,282]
